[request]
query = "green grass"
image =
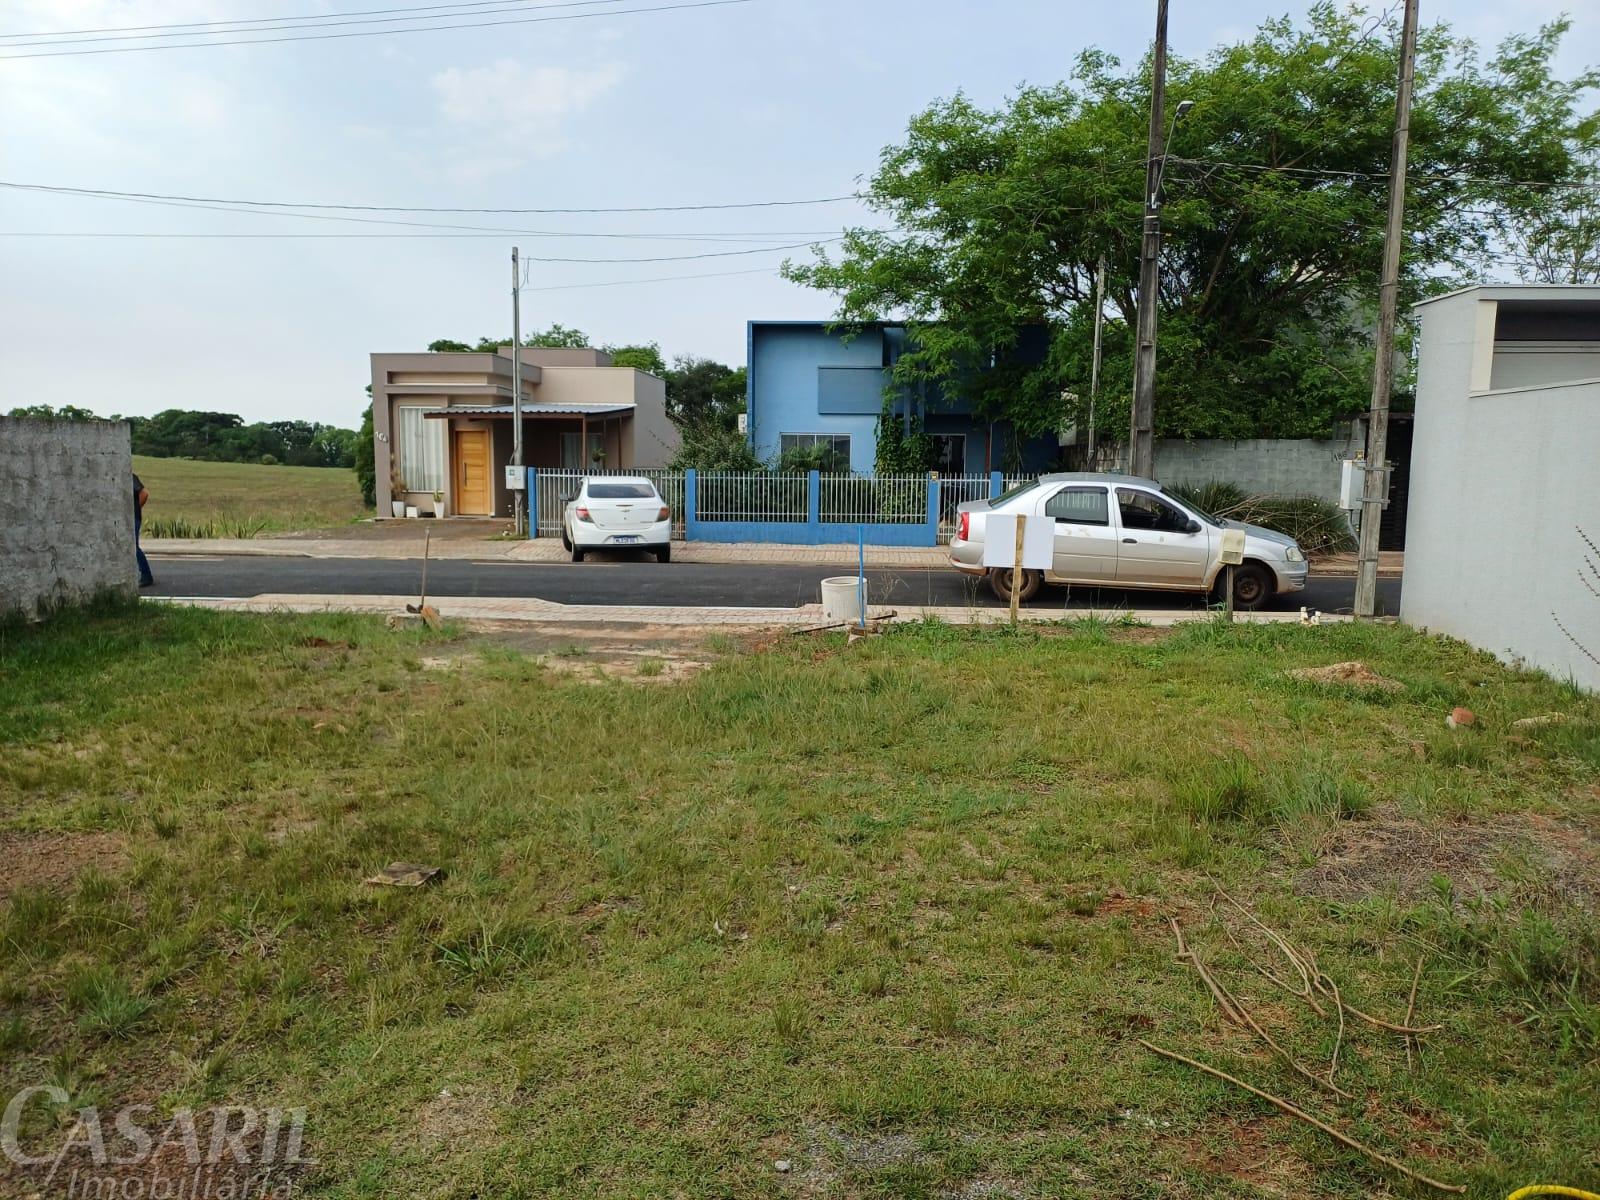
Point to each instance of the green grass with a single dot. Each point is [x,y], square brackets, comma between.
[895,911]
[191,499]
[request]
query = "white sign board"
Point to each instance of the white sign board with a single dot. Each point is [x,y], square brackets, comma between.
[1232,547]
[516,477]
[1000,542]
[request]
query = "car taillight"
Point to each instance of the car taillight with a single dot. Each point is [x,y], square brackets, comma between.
[582,513]
[665,514]
[966,522]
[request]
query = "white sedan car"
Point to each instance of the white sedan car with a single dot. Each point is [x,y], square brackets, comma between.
[1125,532]
[617,512]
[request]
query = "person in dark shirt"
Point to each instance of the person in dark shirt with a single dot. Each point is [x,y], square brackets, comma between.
[140,495]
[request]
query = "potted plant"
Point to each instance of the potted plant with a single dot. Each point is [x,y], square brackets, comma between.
[598,457]
[438,504]
[397,494]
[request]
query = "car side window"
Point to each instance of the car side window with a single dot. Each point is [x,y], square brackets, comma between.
[1079,505]
[1141,510]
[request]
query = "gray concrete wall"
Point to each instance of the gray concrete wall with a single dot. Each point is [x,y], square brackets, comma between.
[650,438]
[1501,482]
[66,513]
[1276,467]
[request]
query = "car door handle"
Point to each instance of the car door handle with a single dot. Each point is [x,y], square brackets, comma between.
[1130,541]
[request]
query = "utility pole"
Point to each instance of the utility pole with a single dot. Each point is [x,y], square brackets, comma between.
[1094,366]
[1141,441]
[1376,482]
[516,388]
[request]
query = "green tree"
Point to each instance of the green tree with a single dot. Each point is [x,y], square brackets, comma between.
[702,390]
[365,464]
[645,358]
[1274,208]
[67,412]
[558,336]
[447,346]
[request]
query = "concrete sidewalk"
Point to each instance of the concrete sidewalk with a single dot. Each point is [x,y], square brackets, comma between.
[483,608]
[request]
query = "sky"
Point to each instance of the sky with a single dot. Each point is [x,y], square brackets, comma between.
[729,103]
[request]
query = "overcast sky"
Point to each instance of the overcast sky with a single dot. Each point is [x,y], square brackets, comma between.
[759,101]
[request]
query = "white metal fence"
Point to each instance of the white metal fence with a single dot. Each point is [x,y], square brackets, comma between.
[873,499]
[552,490]
[748,496]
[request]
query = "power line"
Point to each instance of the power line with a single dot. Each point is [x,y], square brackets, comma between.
[323,37]
[572,287]
[486,8]
[43,187]
[403,237]
[369,12]
[726,236]
[1383,176]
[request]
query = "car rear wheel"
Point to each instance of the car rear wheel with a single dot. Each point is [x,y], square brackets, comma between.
[577,553]
[664,554]
[1000,584]
[1252,586]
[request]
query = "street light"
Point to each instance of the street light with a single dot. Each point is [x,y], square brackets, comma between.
[1178,114]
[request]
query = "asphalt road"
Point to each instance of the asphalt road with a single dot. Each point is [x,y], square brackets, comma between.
[644,581]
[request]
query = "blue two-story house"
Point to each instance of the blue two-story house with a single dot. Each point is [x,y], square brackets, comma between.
[809,382]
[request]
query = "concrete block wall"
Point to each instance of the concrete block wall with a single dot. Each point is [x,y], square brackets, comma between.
[66,513]
[1263,466]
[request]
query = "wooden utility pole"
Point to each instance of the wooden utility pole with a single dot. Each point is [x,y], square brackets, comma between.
[1141,439]
[1376,484]
[1016,568]
[1094,367]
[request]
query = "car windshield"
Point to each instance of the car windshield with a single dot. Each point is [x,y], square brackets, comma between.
[1191,506]
[1022,489]
[621,491]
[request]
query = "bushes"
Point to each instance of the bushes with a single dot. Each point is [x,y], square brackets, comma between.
[1319,525]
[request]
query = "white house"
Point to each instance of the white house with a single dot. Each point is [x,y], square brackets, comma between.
[1505,475]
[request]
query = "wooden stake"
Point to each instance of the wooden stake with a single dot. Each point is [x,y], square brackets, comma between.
[1285,1106]
[1016,568]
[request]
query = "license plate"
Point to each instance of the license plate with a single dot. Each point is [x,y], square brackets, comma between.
[626,537]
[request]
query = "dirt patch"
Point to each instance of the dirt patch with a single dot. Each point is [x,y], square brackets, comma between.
[457,1118]
[54,860]
[1391,854]
[1243,1149]
[1349,674]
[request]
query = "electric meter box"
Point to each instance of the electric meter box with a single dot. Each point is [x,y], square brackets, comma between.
[516,477]
[1352,483]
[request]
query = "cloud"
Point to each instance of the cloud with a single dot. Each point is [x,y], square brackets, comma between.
[534,104]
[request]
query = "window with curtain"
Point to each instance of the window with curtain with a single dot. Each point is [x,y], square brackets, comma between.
[419,450]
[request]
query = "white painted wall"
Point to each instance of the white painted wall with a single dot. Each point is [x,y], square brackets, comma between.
[1501,480]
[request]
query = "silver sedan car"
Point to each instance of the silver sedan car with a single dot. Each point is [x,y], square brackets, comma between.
[1125,532]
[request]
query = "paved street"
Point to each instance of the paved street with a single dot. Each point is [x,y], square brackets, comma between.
[646,582]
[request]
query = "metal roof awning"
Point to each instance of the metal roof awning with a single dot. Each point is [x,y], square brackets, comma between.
[530,410]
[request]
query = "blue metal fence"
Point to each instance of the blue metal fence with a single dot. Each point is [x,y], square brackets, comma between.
[796,510]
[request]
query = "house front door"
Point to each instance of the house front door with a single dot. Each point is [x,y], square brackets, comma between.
[473,494]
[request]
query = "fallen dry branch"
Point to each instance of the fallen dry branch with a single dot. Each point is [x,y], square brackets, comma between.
[1411,1012]
[1285,1106]
[1232,1005]
[1314,979]
[1224,1002]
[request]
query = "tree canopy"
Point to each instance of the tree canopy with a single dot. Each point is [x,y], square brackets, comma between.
[1275,193]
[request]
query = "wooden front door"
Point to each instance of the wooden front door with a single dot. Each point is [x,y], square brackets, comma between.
[474,497]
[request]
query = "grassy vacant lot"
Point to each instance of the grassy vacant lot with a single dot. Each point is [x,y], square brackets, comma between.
[895,912]
[214,499]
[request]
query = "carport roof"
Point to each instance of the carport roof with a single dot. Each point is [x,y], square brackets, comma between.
[529,410]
